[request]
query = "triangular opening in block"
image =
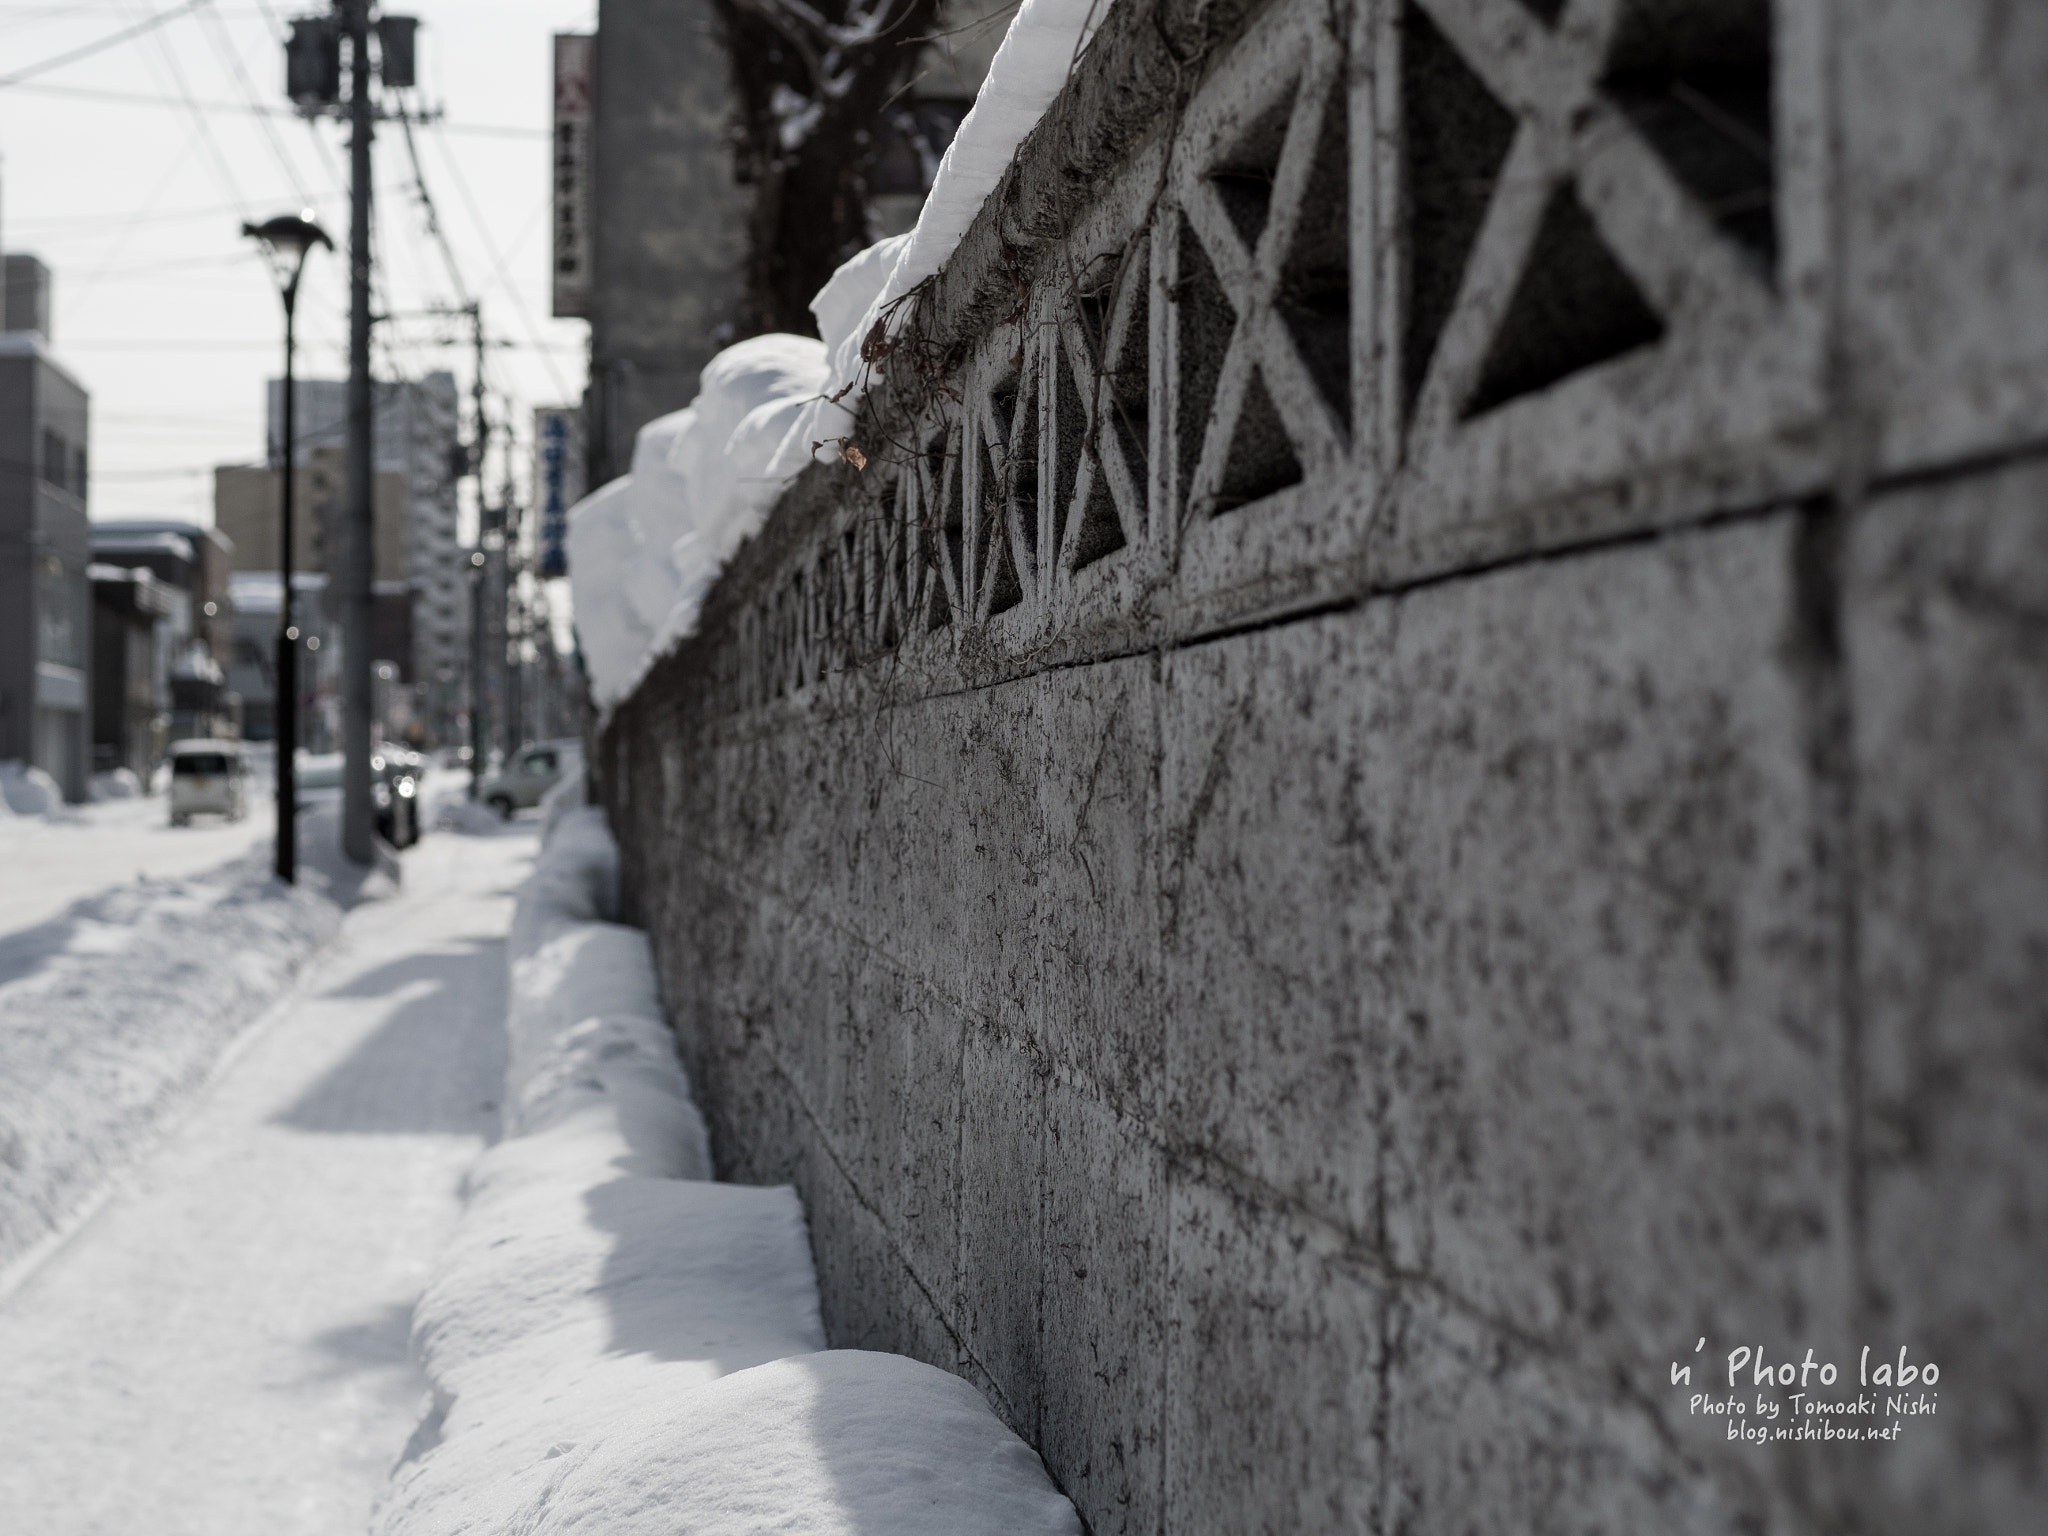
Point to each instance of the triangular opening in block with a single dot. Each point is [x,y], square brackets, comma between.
[1094,310]
[1314,299]
[1244,178]
[890,595]
[1069,438]
[1205,319]
[1694,77]
[1128,399]
[854,590]
[1574,306]
[1101,531]
[1261,459]
[1004,590]
[1020,470]
[1455,137]
[949,529]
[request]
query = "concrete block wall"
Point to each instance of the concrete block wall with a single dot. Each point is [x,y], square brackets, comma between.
[1311,943]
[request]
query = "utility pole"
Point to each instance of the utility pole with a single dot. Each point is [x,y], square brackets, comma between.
[508,603]
[479,646]
[313,55]
[358,817]
[479,726]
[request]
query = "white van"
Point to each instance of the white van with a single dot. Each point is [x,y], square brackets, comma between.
[534,770]
[207,776]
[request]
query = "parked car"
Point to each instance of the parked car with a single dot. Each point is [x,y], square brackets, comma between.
[394,788]
[533,771]
[207,777]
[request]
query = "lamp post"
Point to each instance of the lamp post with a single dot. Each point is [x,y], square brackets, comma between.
[287,240]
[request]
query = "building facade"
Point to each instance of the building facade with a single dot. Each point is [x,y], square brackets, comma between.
[421,571]
[667,220]
[45,544]
[190,564]
[245,508]
[131,695]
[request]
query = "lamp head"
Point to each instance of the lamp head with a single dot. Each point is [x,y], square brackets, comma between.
[288,237]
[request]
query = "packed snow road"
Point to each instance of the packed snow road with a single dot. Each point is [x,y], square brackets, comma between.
[221,1349]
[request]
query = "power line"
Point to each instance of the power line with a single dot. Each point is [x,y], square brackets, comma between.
[224,45]
[148,24]
[483,230]
[229,184]
[419,177]
[142,99]
[56,223]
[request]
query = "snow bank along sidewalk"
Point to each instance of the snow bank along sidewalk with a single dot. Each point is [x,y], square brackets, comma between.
[617,1344]
[114,1014]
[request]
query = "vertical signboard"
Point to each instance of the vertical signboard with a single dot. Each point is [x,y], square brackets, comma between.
[557,482]
[575,126]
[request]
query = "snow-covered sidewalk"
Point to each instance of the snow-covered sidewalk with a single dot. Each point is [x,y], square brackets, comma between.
[222,1348]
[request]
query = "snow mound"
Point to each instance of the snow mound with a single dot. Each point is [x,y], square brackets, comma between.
[121,784]
[29,791]
[570,794]
[813,1446]
[602,547]
[617,1344]
[114,1015]
[644,549]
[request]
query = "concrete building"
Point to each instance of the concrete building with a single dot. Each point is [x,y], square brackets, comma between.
[131,693]
[192,560]
[667,221]
[45,543]
[245,508]
[416,434]
[190,564]
[26,304]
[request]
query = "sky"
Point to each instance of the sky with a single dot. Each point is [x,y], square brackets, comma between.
[130,173]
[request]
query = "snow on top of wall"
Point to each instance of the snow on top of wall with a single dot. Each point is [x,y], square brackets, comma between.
[644,549]
[617,1344]
[1037,54]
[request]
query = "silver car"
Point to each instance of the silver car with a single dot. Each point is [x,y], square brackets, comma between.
[532,772]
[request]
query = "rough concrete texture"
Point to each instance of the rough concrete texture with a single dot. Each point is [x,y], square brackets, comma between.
[1946,629]
[1320,1012]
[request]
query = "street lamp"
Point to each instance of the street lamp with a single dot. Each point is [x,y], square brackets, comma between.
[287,240]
